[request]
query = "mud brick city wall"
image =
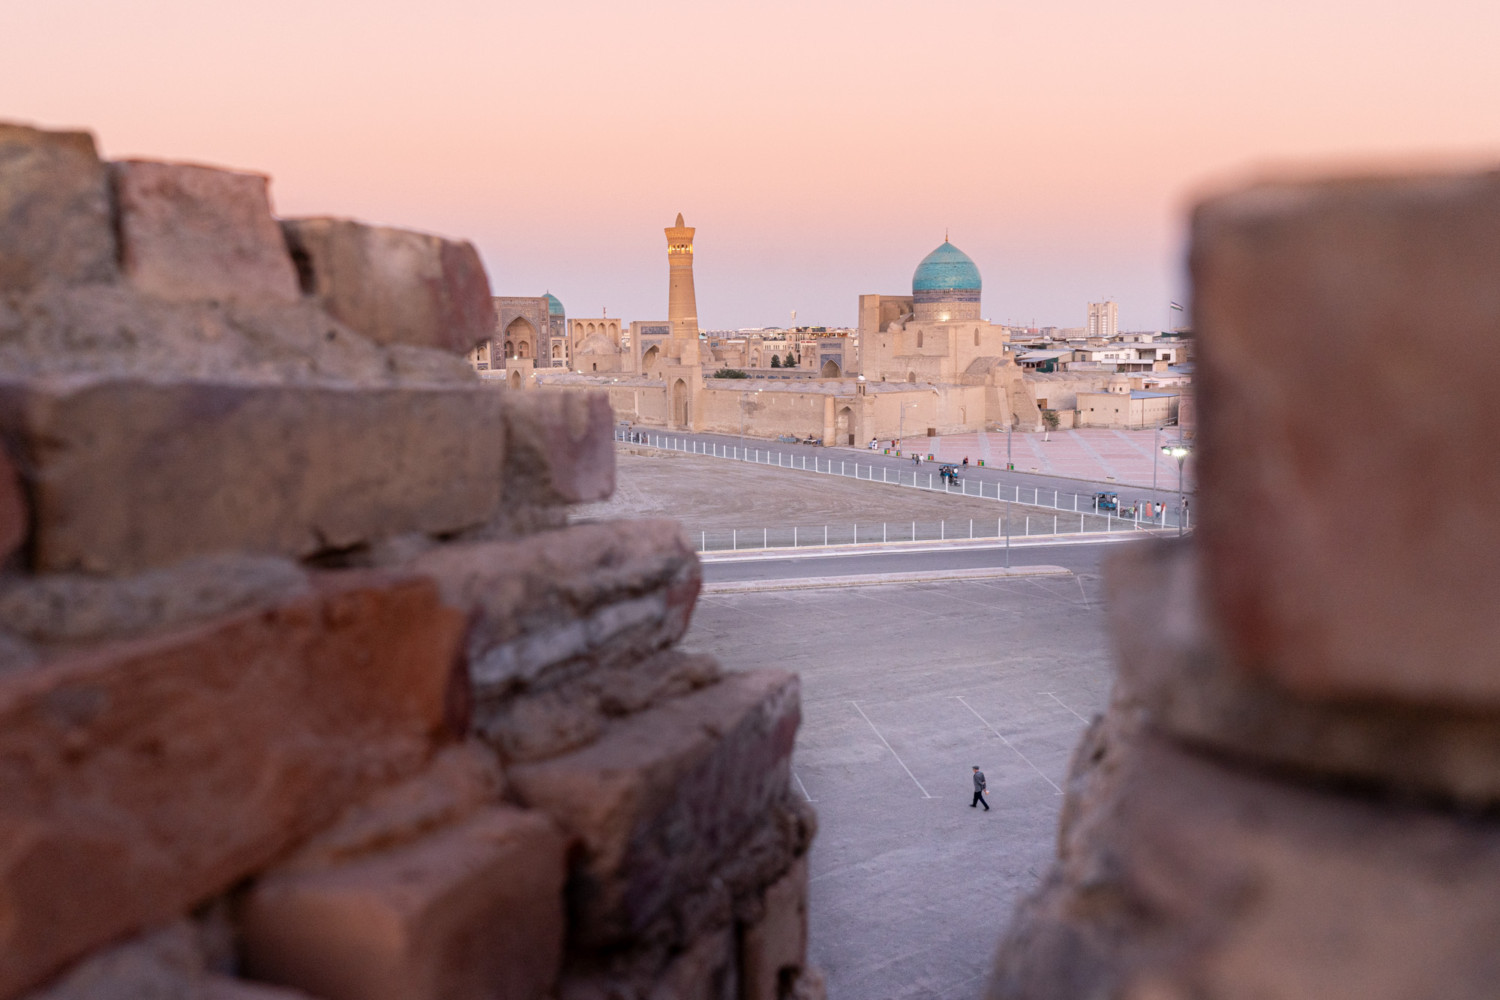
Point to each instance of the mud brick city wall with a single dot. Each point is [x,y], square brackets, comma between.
[308,687]
[1294,792]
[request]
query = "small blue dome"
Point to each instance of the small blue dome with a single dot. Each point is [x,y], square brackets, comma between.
[554,307]
[946,269]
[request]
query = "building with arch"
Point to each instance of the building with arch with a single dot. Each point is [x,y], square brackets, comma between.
[924,363]
[527,328]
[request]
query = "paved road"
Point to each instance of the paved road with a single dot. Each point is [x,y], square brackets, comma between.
[1077,557]
[1032,483]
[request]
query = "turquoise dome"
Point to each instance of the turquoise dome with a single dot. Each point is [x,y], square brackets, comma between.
[946,269]
[554,307]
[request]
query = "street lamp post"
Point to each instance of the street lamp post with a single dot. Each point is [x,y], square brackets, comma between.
[1156,442]
[901,425]
[1010,464]
[1180,452]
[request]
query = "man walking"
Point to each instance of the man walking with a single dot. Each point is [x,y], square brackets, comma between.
[979,790]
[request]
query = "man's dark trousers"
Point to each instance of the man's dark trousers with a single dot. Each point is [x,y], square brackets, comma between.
[979,787]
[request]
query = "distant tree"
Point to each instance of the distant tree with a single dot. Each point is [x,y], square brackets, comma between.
[730,373]
[1049,417]
[775,361]
[791,361]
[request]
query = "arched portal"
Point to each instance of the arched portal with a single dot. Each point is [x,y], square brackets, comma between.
[911,376]
[845,426]
[830,369]
[522,335]
[680,403]
[515,380]
[653,355]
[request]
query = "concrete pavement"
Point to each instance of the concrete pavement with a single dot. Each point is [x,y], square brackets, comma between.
[904,687]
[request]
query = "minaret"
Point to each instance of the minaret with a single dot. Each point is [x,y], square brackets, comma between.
[682,302]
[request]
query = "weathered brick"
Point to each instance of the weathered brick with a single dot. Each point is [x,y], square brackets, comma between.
[1346,518]
[394,286]
[568,713]
[191,233]
[664,795]
[705,969]
[13,515]
[55,608]
[1180,876]
[165,964]
[140,778]
[774,948]
[55,220]
[126,475]
[459,781]
[470,911]
[561,447]
[1173,671]
[600,594]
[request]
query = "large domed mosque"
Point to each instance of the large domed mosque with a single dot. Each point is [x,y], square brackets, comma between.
[937,338]
[928,364]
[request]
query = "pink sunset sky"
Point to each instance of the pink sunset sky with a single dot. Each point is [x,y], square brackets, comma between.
[821,148]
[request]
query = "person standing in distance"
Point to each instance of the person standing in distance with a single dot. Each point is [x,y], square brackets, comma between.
[979,790]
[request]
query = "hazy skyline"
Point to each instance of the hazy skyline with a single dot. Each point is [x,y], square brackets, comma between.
[821,149]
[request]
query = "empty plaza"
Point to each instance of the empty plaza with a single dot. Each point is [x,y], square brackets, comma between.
[904,688]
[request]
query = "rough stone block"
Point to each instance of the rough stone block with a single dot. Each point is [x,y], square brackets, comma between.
[534,725]
[457,783]
[773,950]
[191,233]
[704,969]
[1179,876]
[13,515]
[471,911]
[56,608]
[664,796]
[166,964]
[55,219]
[394,286]
[140,778]
[1346,515]
[1174,674]
[600,594]
[561,447]
[126,475]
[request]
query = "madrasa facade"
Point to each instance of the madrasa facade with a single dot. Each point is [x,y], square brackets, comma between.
[926,363]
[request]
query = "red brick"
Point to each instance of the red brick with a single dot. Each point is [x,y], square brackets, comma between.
[1172,669]
[128,474]
[13,516]
[471,911]
[777,942]
[663,796]
[191,233]
[598,593]
[140,778]
[561,447]
[395,286]
[1347,412]
[55,221]
[1179,875]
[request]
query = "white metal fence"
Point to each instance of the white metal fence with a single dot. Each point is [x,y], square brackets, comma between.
[1131,515]
[1016,526]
